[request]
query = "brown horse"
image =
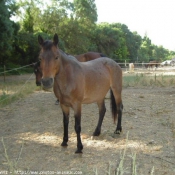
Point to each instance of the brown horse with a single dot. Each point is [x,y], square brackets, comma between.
[82,58]
[88,56]
[38,73]
[76,83]
[152,64]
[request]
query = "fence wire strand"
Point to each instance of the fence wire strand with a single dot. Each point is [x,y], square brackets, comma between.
[16,68]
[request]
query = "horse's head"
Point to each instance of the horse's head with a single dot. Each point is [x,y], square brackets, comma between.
[49,63]
[38,73]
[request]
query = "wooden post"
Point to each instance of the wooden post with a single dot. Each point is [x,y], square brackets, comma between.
[125,66]
[4,72]
[155,78]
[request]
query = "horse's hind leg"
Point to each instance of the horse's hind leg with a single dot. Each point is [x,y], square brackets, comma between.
[119,112]
[102,110]
[117,107]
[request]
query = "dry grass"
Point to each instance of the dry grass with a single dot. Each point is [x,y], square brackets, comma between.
[12,165]
[12,91]
[121,169]
[140,80]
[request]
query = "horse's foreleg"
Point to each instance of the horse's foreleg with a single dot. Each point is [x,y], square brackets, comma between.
[65,125]
[78,129]
[102,110]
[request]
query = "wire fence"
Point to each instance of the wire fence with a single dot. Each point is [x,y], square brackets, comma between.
[123,65]
[14,69]
[27,79]
[126,67]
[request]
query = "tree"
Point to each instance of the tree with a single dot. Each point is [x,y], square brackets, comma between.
[85,11]
[6,29]
[53,17]
[109,40]
[75,24]
[159,53]
[133,41]
[29,15]
[145,53]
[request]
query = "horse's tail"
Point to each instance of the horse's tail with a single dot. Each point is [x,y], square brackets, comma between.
[113,106]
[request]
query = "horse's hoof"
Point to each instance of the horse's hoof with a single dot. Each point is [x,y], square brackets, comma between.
[117,132]
[64,144]
[96,133]
[78,151]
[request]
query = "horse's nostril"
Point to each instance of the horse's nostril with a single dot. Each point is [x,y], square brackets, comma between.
[47,82]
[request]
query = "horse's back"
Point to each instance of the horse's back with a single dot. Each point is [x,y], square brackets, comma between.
[89,56]
[105,63]
[99,75]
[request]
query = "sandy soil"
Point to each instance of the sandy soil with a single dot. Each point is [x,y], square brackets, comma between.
[32,131]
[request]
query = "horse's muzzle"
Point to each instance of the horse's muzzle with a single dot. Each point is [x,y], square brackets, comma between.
[47,83]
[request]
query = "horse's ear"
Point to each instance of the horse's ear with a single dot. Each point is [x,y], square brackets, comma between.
[55,39]
[40,40]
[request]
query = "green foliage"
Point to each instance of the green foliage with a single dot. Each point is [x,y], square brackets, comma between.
[26,49]
[109,40]
[133,41]
[85,11]
[75,24]
[6,29]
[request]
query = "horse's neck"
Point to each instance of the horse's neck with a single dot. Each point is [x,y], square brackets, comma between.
[68,71]
[68,59]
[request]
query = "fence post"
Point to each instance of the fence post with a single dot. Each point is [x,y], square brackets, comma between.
[155,78]
[4,72]
[125,66]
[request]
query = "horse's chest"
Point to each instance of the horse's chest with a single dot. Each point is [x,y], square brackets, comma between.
[66,94]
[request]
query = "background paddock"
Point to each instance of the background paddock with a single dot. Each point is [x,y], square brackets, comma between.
[32,131]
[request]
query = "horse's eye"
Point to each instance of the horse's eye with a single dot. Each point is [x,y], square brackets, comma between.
[57,57]
[39,59]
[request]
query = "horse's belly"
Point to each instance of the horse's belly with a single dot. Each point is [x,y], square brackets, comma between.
[96,86]
[95,94]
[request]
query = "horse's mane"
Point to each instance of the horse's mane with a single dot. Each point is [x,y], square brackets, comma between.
[67,55]
[62,52]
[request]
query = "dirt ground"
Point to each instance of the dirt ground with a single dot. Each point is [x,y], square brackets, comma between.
[31,133]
